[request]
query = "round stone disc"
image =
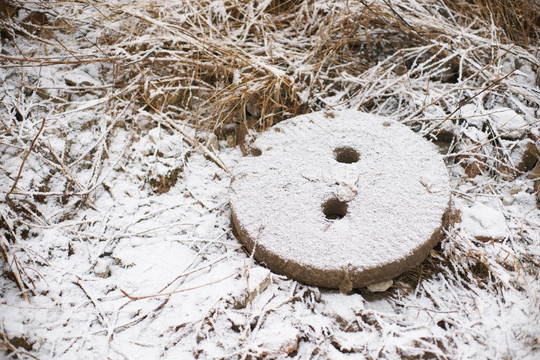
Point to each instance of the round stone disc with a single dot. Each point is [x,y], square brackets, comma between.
[340,199]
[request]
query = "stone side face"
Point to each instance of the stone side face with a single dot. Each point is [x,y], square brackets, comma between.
[340,202]
[333,278]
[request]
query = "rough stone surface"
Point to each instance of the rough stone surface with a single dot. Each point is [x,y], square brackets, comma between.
[340,199]
[380,287]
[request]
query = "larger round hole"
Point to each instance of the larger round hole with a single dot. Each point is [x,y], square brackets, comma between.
[346,155]
[334,209]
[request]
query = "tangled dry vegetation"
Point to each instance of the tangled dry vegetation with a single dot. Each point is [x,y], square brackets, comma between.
[82,82]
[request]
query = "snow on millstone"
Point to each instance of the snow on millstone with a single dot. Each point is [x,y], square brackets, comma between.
[340,199]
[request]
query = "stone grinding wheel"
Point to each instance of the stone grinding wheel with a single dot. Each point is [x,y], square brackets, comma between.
[340,199]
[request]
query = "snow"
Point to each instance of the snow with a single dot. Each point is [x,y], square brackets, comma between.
[266,343]
[509,123]
[484,222]
[113,266]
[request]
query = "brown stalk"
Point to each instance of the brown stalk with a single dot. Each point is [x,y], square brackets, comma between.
[47,62]
[469,99]
[6,346]
[189,139]
[26,157]
[17,278]
[131,297]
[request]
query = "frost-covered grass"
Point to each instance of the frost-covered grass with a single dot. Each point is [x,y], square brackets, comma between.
[116,240]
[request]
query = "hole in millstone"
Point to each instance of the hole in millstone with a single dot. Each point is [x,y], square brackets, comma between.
[346,155]
[334,209]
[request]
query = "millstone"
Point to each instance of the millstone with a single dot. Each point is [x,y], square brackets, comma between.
[340,199]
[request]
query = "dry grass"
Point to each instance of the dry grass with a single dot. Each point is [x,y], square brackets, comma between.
[253,66]
[206,69]
[519,20]
[226,69]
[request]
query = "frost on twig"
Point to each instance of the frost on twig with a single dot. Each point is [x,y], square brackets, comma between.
[118,232]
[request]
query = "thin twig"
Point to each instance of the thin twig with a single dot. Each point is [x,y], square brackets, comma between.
[191,141]
[15,275]
[469,99]
[26,157]
[405,21]
[131,297]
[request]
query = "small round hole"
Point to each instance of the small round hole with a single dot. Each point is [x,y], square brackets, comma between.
[346,155]
[334,209]
[256,151]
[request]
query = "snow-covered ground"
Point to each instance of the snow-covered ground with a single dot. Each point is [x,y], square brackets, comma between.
[116,240]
